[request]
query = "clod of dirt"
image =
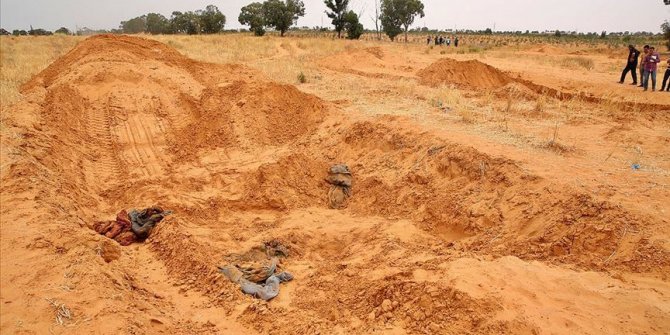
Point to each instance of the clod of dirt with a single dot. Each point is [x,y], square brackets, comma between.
[109,250]
[471,74]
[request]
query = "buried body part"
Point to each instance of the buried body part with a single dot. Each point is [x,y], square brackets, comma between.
[339,177]
[133,226]
[262,276]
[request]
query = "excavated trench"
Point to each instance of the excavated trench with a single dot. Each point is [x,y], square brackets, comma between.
[125,122]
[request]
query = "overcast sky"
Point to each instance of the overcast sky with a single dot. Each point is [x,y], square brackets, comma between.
[580,15]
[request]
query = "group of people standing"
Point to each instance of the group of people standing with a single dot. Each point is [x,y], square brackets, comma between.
[648,68]
[441,40]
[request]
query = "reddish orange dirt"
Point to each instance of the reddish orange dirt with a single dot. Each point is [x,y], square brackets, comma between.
[472,73]
[439,236]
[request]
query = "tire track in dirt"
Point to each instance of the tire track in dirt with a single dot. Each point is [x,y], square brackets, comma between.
[138,136]
[106,167]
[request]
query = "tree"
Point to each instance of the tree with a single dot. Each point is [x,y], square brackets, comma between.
[178,24]
[281,15]
[665,27]
[488,31]
[378,33]
[39,32]
[603,34]
[134,25]
[212,20]
[185,23]
[157,24]
[338,9]
[398,15]
[352,25]
[62,30]
[252,15]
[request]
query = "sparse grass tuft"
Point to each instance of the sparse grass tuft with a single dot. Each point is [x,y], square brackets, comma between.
[577,62]
[301,78]
[62,312]
[467,115]
[506,111]
[556,146]
[540,104]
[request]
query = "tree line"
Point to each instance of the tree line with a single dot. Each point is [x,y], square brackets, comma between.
[396,16]
[35,32]
[206,21]
[392,17]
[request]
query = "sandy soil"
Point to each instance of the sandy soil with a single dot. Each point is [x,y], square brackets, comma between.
[504,204]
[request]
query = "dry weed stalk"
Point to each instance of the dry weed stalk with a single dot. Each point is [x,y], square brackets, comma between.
[637,156]
[62,312]
[540,104]
[554,145]
[507,111]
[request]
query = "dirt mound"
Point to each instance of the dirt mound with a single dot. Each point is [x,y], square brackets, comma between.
[474,74]
[470,74]
[368,62]
[367,57]
[263,113]
[516,90]
[151,93]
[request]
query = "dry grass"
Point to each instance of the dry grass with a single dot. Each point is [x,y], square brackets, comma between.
[62,312]
[540,104]
[446,96]
[466,115]
[220,48]
[507,111]
[244,48]
[23,57]
[577,62]
[554,145]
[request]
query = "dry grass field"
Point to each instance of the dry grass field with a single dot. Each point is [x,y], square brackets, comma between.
[505,187]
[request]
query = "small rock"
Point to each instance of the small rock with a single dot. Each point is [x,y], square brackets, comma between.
[418,315]
[387,305]
[434,328]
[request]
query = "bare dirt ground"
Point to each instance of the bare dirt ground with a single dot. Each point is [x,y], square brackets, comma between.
[493,192]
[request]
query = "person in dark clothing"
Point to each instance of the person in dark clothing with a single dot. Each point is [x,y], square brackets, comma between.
[429,39]
[456,42]
[631,65]
[665,78]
